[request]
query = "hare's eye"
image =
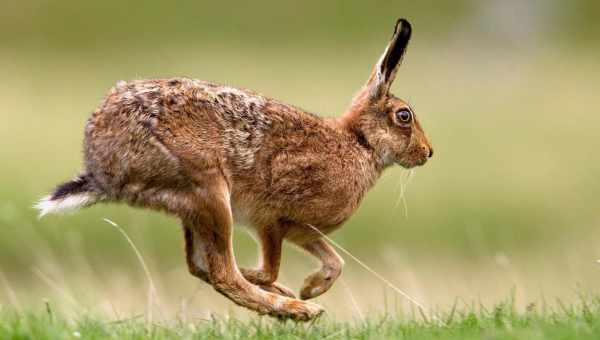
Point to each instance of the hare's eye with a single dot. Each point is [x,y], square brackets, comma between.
[404,116]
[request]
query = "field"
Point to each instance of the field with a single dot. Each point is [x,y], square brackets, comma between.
[497,235]
[501,322]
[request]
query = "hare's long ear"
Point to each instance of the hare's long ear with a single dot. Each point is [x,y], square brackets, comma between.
[385,71]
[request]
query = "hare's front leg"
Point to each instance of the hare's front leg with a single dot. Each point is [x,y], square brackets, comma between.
[270,242]
[212,236]
[331,268]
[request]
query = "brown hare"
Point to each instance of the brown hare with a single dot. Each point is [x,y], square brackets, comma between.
[211,154]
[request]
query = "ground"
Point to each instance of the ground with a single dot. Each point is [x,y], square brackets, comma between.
[579,321]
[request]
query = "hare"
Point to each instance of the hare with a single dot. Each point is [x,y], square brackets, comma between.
[211,154]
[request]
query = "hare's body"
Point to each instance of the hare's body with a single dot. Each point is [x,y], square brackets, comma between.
[211,154]
[277,160]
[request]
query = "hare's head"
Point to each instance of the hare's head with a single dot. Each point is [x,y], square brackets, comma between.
[384,122]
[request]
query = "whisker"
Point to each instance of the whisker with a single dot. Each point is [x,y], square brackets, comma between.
[402,195]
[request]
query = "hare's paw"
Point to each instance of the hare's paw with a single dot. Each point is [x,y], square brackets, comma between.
[299,311]
[318,283]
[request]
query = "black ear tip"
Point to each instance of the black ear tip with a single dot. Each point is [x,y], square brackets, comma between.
[403,26]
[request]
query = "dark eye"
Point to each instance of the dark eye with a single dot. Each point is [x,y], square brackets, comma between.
[404,116]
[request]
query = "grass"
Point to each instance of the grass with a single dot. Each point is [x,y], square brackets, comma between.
[581,321]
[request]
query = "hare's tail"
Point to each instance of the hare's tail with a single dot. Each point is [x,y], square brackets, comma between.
[69,196]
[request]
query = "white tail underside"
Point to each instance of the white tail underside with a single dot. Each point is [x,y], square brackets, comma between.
[63,205]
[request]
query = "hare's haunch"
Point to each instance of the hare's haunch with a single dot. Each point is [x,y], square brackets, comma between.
[211,154]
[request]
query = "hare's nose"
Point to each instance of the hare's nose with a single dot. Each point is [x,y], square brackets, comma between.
[430,152]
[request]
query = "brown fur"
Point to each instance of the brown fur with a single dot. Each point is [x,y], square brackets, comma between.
[210,154]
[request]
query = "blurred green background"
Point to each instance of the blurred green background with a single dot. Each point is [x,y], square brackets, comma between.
[507,91]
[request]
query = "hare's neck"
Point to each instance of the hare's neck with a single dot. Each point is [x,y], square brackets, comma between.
[379,158]
[371,162]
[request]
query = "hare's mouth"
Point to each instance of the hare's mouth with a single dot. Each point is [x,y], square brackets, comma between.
[409,164]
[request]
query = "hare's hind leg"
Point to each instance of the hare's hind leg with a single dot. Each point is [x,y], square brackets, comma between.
[265,275]
[194,253]
[212,224]
[331,268]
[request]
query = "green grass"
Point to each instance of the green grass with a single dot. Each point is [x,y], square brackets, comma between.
[581,321]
